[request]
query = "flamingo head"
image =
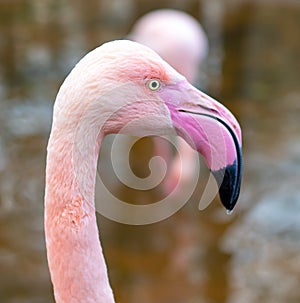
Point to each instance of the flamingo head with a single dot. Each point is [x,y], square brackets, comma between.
[176,36]
[131,90]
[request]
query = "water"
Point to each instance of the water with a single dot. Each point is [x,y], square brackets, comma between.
[194,256]
[229,212]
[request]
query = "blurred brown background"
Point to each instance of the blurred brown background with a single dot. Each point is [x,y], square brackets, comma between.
[253,67]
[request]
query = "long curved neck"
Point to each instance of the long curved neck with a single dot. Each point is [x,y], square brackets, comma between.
[76,262]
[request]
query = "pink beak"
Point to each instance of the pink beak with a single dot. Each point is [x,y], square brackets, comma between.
[213,131]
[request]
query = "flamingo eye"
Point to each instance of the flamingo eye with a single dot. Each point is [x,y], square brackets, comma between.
[154,84]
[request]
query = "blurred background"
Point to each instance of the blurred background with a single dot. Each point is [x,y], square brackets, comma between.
[253,67]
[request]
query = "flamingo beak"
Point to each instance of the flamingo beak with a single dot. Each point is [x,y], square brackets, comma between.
[212,130]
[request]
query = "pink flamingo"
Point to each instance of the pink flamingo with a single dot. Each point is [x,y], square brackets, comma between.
[111,86]
[180,40]
[176,36]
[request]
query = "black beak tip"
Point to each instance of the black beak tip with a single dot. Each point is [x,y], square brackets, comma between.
[229,182]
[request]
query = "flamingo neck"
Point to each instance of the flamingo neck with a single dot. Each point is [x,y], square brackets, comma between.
[76,262]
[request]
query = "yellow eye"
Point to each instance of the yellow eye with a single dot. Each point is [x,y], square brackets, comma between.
[154,84]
